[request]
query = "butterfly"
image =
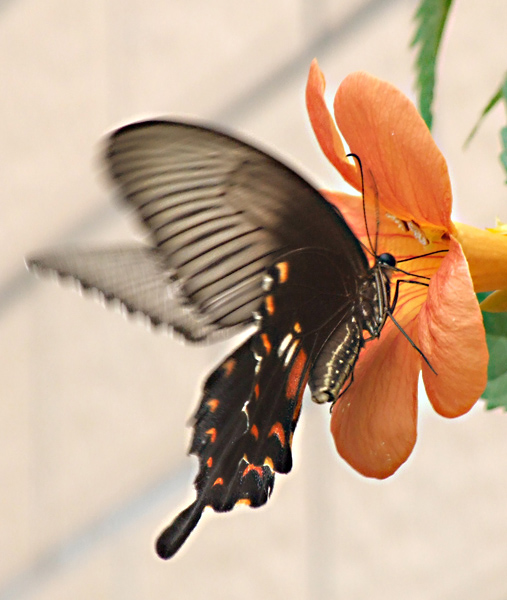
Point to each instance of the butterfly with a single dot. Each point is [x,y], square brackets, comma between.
[238,240]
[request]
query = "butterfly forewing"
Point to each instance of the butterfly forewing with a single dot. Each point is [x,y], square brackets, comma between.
[221,212]
[136,277]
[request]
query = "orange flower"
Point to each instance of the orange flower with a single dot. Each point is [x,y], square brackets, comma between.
[496,248]
[407,185]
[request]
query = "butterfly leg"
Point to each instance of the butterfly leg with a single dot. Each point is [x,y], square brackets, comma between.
[390,313]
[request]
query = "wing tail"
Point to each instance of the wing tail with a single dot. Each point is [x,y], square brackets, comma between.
[174,536]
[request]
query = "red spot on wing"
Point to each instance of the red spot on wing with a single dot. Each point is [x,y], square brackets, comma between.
[299,403]
[296,372]
[266,342]
[254,431]
[251,467]
[209,462]
[283,271]
[213,404]
[229,366]
[213,434]
[297,410]
[245,501]
[218,481]
[277,430]
[257,390]
[269,302]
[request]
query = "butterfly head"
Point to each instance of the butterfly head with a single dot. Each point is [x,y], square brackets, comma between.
[386,260]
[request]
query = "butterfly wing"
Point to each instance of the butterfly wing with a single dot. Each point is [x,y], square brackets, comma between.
[219,212]
[251,403]
[134,277]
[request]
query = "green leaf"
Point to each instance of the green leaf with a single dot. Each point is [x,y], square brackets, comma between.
[503,154]
[496,338]
[500,94]
[431,17]
[494,100]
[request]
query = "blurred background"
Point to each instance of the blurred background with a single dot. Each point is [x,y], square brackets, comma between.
[94,409]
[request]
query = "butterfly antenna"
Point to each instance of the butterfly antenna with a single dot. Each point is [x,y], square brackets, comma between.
[371,250]
[377,214]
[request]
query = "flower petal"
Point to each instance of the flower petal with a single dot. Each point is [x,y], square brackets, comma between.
[390,234]
[325,128]
[486,254]
[351,207]
[452,337]
[374,424]
[495,302]
[384,129]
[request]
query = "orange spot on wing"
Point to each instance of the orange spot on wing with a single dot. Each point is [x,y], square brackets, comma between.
[218,481]
[295,375]
[245,501]
[212,433]
[254,431]
[251,467]
[266,342]
[213,404]
[297,327]
[209,462]
[269,462]
[299,403]
[257,390]
[283,270]
[269,302]
[277,430]
[297,410]
[229,366]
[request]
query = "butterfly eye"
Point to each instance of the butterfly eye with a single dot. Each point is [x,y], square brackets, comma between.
[387,259]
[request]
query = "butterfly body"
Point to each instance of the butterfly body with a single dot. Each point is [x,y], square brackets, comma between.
[238,239]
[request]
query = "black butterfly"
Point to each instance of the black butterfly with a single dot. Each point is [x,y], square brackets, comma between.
[238,239]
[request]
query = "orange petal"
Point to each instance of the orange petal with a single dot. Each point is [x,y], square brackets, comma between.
[486,254]
[452,337]
[351,207]
[390,235]
[325,128]
[495,302]
[384,129]
[374,424]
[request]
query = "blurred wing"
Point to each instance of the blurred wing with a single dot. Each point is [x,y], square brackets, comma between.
[135,278]
[220,213]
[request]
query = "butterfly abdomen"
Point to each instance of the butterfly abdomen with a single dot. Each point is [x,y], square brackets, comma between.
[336,362]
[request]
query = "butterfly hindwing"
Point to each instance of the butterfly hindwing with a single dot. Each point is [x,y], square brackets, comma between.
[242,434]
[251,403]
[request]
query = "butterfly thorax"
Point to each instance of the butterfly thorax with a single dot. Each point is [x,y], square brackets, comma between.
[374,297]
